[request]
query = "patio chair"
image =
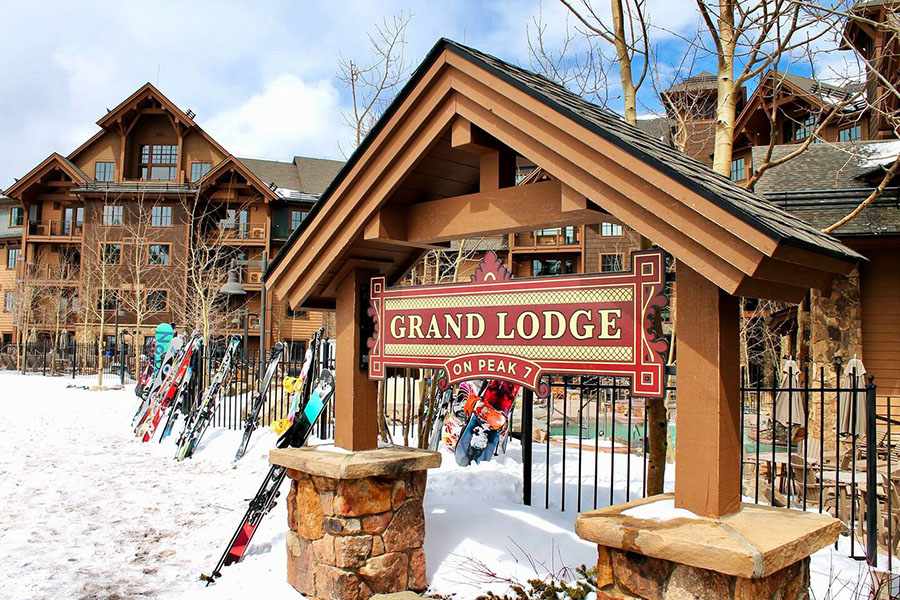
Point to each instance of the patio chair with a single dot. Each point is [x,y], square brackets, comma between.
[888,523]
[804,481]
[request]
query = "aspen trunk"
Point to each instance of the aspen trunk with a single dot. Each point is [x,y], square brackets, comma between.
[629,93]
[727,98]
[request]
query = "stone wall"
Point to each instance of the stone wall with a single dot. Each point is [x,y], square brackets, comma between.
[351,538]
[625,575]
[832,327]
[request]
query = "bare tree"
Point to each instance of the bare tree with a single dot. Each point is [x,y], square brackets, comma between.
[373,83]
[627,33]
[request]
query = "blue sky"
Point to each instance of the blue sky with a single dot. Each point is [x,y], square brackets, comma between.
[260,76]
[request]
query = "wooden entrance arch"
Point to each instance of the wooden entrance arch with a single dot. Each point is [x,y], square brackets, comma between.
[440,165]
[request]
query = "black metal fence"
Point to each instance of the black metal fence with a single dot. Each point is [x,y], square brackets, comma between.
[78,361]
[818,440]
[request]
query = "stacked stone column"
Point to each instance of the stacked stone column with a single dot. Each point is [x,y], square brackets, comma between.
[354,536]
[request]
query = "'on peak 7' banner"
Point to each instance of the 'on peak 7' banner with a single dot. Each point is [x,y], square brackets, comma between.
[498,327]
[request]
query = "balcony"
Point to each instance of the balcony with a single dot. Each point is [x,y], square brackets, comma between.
[55,231]
[561,238]
[239,234]
[50,273]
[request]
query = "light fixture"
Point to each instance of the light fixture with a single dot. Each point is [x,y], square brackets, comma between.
[233,287]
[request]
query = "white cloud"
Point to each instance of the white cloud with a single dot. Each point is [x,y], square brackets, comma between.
[289,116]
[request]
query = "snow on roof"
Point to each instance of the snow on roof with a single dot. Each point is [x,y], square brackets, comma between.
[295,194]
[879,153]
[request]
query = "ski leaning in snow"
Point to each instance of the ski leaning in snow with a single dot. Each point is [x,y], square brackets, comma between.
[167,391]
[250,423]
[150,391]
[199,418]
[185,394]
[268,492]
[147,371]
[298,386]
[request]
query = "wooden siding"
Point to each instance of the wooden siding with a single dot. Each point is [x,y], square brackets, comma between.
[880,289]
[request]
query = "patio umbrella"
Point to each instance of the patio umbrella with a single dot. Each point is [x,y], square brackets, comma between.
[789,403]
[853,392]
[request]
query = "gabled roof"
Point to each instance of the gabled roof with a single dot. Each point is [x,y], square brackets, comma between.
[234,164]
[583,146]
[146,91]
[53,161]
[816,93]
[704,80]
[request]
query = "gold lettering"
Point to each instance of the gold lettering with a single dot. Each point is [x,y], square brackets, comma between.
[455,326]
[434,332]
[501,327]
[520,325]
[587,331]
[549,317]
[609,330]
[470,322]
[415,327]
[397,332]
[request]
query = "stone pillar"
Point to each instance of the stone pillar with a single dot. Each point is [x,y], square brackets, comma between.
[757,553]
[356,522]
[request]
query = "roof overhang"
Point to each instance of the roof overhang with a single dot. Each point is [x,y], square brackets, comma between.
[52,162]
[405,189]
[232,164]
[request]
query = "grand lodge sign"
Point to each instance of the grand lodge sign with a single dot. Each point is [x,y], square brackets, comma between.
[521,329]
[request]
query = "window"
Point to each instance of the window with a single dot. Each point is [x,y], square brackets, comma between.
[806,129]
[738,169]
[552,266]
[10,301]
[16,216]
[12,257]
[566,233]
[161,216]
[156,300]
[296,314]
[159,162]
[108,301]
[199,169]
[159,255]
[611,230]
[850,134]
[112,215]
[104,171]
[610,262]
[297,217]
[111,254]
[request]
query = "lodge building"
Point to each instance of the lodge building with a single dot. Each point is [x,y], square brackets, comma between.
[138,226]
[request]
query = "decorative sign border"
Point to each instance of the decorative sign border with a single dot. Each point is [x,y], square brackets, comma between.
[498,327]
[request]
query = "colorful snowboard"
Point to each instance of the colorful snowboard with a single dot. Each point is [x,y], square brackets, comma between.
[488,422]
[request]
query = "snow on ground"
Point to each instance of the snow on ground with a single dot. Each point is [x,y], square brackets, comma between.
[90,512]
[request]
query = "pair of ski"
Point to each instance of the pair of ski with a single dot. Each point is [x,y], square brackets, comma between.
[174,389]
[296,436]
[198,419]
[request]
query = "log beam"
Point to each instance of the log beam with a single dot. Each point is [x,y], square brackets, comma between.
[708,454]
[519,208]
[355,395]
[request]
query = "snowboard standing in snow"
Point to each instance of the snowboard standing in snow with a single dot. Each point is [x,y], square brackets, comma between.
[250,423]
[167,392]
[488,422]
[268,492]
[160,376]
[199,419]
[297,386]
[147,371]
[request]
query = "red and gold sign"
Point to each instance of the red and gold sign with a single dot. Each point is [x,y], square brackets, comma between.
[497,327]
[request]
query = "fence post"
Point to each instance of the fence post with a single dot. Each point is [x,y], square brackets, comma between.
[74,356]
[871,477]
[123,351]
[527,431]
[44,362]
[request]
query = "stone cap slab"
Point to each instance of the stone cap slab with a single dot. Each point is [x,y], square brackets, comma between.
[754,542]
[336,463]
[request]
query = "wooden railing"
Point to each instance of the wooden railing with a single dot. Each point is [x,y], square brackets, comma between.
[537,239]
[56,229]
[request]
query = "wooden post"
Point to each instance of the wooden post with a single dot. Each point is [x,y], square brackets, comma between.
[708,451]
[355,395]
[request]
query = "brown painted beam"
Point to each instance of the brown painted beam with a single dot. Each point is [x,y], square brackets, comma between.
[708,454]
[355,395]
[467,137]
[389,225]
[520,208]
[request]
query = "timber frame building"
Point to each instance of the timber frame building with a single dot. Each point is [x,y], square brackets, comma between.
[138,226]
